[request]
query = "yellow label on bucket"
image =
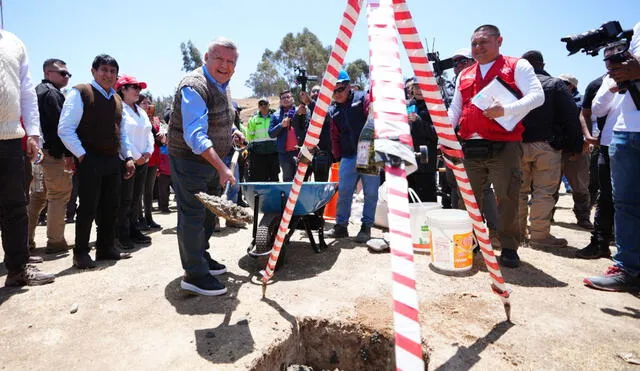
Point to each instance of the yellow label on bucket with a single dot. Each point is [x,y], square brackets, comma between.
[462,250]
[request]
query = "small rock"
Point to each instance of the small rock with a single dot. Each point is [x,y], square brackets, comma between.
[74,308]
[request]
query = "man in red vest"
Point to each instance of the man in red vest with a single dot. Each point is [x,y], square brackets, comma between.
[493,153]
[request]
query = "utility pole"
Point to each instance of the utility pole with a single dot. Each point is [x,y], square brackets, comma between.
[1,16]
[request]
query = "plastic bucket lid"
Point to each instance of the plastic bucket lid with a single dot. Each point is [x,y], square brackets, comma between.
[448,218]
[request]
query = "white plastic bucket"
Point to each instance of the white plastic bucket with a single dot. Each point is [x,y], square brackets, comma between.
[452,240]
[420,233]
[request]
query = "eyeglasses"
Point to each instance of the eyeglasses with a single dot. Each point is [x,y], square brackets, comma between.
[461,61]
[263,104]
[340,89]
[314,91]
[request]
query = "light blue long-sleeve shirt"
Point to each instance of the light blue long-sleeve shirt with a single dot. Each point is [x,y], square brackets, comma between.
[195,121]
[70,117]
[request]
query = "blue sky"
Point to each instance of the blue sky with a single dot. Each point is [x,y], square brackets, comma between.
[144,35]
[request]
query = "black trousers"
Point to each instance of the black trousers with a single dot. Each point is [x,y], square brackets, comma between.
[603,219]
[130,198]
[72,205]
[594,178]
[424,184]
[149,184]
[164,181]
[321,165]
[264,168]
[99,183]
[13,205]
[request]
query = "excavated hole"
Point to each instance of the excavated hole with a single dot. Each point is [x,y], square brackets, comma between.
[320,344]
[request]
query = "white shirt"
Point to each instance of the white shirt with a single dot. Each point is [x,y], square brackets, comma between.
[629,117]
[606,103]
[138,128]
[70,117]
[28,97]
[525,79]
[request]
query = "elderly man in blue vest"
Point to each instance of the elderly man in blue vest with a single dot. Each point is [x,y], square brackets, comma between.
[200,135]
[348,114]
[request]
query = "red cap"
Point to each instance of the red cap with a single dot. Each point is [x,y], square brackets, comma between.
[129,80]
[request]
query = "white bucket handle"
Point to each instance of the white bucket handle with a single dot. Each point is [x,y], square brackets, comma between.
[414,196]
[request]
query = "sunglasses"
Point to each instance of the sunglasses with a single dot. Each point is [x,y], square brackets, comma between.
[62,73]
[314,91]
[132,86]
[340,89]
[461,61]
[263,104]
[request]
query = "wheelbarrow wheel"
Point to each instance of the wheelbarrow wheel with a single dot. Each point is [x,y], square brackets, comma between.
[265,237]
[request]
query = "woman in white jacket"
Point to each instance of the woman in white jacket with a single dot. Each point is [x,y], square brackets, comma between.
[138,127]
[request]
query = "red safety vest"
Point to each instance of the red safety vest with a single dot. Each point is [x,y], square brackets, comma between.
[472,120]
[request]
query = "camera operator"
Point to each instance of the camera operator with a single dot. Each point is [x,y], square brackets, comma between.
[624,153]
[322,159]
[288,125]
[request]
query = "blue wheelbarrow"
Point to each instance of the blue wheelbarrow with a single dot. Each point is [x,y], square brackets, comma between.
[270,199]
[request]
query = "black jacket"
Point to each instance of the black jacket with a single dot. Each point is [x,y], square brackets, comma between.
[50,101]
[556,121]
[423,133]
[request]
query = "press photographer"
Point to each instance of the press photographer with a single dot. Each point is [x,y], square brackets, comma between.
[624,152]
[622,66]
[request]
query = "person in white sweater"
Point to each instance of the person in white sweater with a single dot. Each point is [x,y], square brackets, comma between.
[17,100]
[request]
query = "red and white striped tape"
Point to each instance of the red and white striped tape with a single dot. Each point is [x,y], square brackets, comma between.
[447,140]
[390,118]
[336,60]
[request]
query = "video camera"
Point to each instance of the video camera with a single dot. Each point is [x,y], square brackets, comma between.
[611,38]
[302,78]
[439,66]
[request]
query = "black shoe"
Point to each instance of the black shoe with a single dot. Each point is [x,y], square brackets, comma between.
[142,225]
[216,269]
[509,258]
[206,285]
[125,244]
[29,276]
[57,248]
[138,237]
[83,261]
[594,251]
[338,231]
[242,203]
[364,235]
[152,224]
[585,223]
[112,254]
[69,220]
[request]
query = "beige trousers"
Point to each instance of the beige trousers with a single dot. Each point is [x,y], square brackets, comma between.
[541,169]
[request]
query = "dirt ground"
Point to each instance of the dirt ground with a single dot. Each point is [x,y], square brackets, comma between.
[133,315]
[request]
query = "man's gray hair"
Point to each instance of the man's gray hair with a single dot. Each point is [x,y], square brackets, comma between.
[223,42]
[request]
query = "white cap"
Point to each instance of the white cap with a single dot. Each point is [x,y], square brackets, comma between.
[464,52]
